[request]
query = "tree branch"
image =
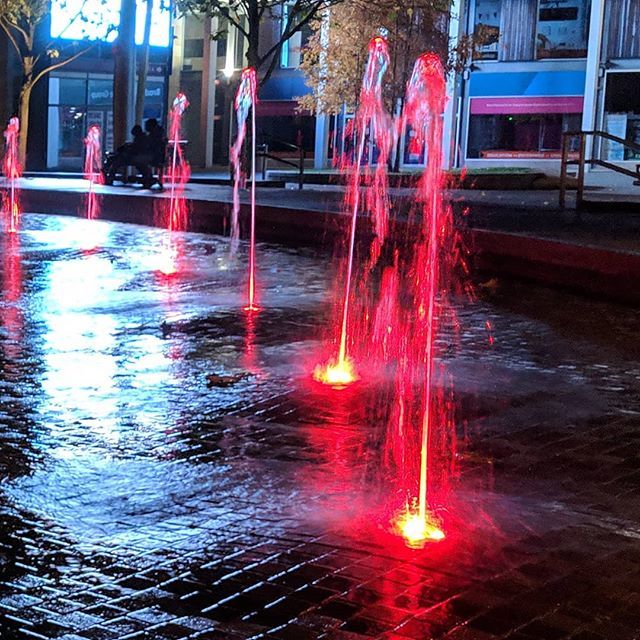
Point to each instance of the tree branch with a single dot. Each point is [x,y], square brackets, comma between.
[10,36]
[75,17]
[62,63]
[19,29]
[235,21]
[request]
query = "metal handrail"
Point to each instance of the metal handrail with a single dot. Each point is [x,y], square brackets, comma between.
[263,152]
[582,161]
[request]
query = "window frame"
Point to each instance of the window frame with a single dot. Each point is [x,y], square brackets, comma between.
[536,58]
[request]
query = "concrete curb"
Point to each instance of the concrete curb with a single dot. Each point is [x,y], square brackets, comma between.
[593,270]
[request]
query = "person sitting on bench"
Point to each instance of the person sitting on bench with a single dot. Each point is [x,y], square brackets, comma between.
[151,153]
[124,155]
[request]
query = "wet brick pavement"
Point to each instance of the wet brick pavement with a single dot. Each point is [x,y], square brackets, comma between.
[138,500]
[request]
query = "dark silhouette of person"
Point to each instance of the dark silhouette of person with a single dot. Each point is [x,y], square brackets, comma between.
[150,152]
[157,142]
[125,154]
[139,141]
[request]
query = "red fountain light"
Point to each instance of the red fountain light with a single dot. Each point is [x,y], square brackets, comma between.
[417,529]
[337,374]
[245,103]
[93,170]
[370,118]
[12,171]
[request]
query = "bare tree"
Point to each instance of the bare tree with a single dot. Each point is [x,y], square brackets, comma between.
[248,15]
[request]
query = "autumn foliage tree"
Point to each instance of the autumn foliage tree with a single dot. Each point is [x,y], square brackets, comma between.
[336,53]
[20,20]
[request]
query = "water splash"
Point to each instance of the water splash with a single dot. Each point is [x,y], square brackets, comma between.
[93,170]
[179,170]
[12,171]
[245,103]
[371,123]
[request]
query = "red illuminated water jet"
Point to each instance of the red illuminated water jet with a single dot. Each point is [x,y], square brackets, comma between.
[245,103]
[12,171]
[179,170]
[11,315]
[371,120]
[174,209]
[93,170]
[423,111]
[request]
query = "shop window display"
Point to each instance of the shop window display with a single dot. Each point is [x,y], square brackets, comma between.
[520,136]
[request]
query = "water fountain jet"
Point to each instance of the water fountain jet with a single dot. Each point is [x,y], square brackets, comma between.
[423,111]
[93,170]
[245,103]
[175,213]
[12,171]
[341,371]
[179,172]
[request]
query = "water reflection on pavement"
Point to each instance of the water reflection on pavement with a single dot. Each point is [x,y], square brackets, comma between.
[169,470]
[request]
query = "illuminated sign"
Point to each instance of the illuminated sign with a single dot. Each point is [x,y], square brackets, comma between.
[99,19]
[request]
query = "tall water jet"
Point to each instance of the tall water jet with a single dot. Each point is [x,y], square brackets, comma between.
[93,169]
[174,210]
[371,118]
[179,171]
[12,171]
[11,312]
[423,111]
[245,102]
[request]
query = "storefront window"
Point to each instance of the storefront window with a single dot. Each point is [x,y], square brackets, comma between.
[100,92]
[535,136]
[291,56]
[69,90]
[622,114]
[521,30]
[487,29]
[624,28]
[66,128]
[77,102]
[563,29]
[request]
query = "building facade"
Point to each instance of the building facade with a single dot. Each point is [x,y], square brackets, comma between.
[540,68]
[208,57]
[79,94]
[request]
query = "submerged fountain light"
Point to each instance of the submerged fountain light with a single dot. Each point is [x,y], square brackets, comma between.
[417,529]
[337,374]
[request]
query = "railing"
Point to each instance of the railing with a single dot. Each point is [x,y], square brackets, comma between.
[581,161]
[264,155]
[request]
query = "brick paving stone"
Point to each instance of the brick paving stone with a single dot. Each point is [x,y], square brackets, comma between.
[139,502]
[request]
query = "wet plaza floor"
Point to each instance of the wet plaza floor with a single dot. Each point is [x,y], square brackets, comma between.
[168,470]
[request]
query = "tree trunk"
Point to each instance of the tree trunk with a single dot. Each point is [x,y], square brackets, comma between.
[25,99]
[143,65]
[124,74]
[253,41]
